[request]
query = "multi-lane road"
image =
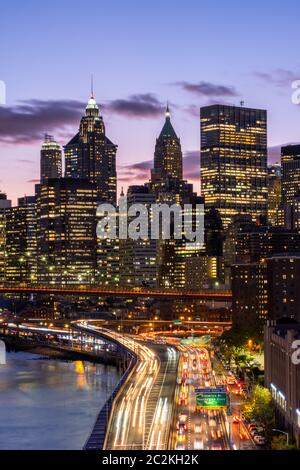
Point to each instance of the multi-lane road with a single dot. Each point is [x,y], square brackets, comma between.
[204,430]
[156,407]
[209,429]
[142,413]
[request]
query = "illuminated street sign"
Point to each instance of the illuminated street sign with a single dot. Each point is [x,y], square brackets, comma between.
[211,399]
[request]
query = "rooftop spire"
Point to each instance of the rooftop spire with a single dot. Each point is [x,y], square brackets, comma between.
[167,113]
[92,107]
[167,130]
[92,86]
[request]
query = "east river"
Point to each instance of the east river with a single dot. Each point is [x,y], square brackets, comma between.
[50,404]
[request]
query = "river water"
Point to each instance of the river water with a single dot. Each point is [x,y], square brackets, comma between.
[50,404]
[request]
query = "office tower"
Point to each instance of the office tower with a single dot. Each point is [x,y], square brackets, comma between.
[250,295]
[283,272]
[28,205]
[91,155]
[282,374]
[292,213]
[234,160]
[108,262]
[138,257]
[214,238]
[251,243]
[66,232]
[173,254]
[21,244]
[167,156]
[290,187]
[50,159]
[108,258]
[196,273]
[290,171]
[274,193]
[4,205]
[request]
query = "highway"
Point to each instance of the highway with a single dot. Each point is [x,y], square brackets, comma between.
[206,429]
[141,415]
[156,407]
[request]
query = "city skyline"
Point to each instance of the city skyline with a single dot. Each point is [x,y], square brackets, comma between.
[51,97]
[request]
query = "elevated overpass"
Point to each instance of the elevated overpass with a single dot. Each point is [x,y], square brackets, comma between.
[106,291]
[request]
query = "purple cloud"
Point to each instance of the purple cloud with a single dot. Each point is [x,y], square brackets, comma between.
[207,89]
[27,121]
[142,106]
[278,77]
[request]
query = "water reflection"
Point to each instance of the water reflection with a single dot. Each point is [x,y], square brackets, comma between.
[50,404]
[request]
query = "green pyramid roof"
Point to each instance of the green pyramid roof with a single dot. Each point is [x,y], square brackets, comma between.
[168,130]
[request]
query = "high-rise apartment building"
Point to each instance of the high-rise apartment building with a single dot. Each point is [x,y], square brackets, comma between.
[283,286]
[250,295]
[51,159]
[234,160]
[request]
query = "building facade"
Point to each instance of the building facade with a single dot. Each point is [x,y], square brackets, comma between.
[91,155]
[250,295]
[66,231]
[4,205]
[274,193]
[282,374]
[138,257]
[234,160]
[21,242]
[167,156]
[51,159]
[283,286]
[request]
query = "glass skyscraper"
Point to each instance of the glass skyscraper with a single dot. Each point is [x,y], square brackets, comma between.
[234,160]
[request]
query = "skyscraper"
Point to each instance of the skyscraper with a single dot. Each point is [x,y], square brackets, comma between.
[290,168]
[283,286]
[167,155]
[20,241]
[274,193]
[138,257]
[66,231]
[234,160]
[50,159]
[4,205]
[91,155]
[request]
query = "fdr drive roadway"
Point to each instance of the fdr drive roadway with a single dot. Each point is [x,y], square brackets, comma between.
[142,412]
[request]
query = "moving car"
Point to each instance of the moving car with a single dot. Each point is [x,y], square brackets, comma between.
[216,446]
[198,444]
[181,423]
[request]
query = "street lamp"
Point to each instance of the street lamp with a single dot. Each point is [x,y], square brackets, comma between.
[283,432]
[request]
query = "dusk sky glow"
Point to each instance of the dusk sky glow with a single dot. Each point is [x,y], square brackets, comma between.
[141,54]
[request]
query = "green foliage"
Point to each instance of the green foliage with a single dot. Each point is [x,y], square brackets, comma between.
[280,443]
[259,406]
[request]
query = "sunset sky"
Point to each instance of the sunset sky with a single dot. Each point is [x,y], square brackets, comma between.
[141,54]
